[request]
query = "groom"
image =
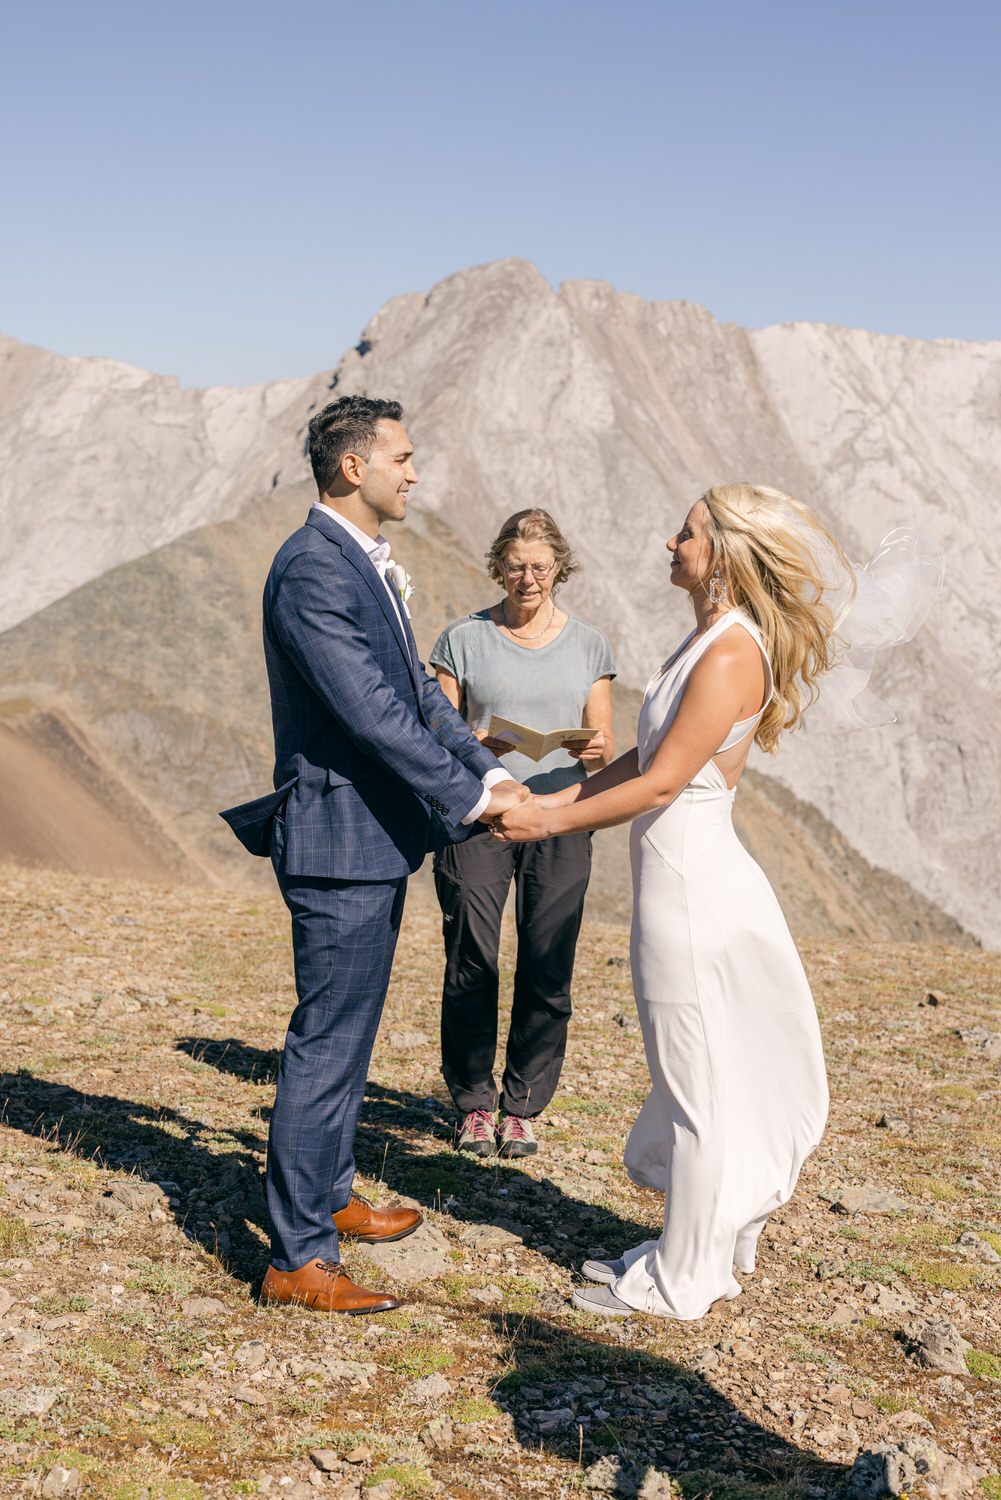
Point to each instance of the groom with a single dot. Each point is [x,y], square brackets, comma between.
[372,767]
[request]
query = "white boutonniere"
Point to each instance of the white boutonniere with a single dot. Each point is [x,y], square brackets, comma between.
[402,583]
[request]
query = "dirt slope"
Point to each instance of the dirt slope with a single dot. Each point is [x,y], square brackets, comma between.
[62,808]
[158,666]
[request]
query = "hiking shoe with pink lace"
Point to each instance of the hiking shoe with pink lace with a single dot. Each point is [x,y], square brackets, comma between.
[478,1134]
[517,1138]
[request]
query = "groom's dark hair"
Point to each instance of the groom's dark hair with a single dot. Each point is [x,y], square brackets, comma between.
[346,426]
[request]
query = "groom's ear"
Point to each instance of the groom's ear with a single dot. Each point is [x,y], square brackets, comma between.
[353,468]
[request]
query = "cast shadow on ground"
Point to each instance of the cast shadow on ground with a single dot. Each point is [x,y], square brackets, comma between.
[219,1191]
[390,1147]
[216,1174]
[683,1426]
[585,1396]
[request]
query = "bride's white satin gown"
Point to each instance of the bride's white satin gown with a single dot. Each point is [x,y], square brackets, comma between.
[739,1096]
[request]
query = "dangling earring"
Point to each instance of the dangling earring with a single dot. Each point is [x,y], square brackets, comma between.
[717,588]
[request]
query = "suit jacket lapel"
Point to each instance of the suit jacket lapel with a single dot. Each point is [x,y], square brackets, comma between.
[366,570]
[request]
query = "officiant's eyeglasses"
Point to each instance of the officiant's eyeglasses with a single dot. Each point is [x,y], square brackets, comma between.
[539,570]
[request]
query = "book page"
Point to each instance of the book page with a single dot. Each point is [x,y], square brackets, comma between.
[530,742]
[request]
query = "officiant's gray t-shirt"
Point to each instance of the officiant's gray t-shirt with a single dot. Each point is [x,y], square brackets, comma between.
[544,689]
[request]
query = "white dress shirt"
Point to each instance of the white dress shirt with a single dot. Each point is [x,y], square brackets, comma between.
[378,551]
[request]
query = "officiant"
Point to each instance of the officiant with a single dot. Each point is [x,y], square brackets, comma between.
[526,660]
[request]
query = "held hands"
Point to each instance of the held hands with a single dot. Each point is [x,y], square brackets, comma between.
[503,795]
[527,820]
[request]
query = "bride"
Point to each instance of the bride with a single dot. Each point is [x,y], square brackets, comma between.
[739,1091]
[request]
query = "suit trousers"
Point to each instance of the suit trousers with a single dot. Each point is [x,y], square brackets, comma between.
[472,881]
[343,939]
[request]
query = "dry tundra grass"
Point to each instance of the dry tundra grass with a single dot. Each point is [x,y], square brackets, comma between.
[141,1028]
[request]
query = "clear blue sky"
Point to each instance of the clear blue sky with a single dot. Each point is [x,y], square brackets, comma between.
[227,192]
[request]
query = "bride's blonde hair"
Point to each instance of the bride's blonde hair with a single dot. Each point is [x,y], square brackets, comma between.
[780,563]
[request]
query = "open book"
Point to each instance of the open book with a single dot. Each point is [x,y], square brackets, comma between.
[529,741]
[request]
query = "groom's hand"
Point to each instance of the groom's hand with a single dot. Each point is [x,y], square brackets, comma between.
[503,795]
[529,821]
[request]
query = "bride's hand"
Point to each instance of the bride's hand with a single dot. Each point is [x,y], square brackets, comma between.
[529,820]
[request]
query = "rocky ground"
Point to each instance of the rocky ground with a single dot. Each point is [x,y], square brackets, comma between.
[141,1028]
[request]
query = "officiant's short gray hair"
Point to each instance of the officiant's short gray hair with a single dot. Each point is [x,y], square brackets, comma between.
[533,525]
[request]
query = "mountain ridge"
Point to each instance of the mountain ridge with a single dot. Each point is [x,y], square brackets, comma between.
[615,413]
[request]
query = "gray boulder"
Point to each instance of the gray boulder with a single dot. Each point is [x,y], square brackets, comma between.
[939,1346]
[895,1469]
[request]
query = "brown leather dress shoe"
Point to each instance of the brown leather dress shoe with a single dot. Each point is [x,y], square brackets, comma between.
[375,1225]
[324,1286]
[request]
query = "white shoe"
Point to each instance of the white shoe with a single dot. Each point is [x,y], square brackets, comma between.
[603,1270]
[601,1300]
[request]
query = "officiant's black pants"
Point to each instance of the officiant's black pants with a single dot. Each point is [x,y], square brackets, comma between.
[472,881]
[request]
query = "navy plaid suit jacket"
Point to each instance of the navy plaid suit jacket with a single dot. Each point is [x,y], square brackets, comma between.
[373,764]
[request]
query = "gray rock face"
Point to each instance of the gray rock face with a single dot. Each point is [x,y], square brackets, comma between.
[325,1459]
[145,461]
[429,1388]
[30,1400]
[422,1255]
[490,1237]
[623,411]
[137,1195]
[894,1469]
[60,1481]
[628,1481]
[203,1307]
[975,1248]
[864,1200]
[616,413]
[939,1346]
[438,1435]
[982,1039]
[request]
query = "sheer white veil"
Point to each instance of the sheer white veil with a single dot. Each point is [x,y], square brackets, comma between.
[892,596]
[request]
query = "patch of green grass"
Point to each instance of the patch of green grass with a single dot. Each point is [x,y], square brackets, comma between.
[457,1284]
[172,1429]
[512,1380]
[159,1277]
[474,1409]
[54,1303]
[990,1238]
[401,1318]
[142,1477]
[945,1273]
[521,1294]
[155,1487]
[114,1349]
[20,1429]
[926,1234]
[803,1351]
[412,1480]
[888,1401]
[983,1365]
[872,1270]
[15,1236]
[416,1360]
[991,1486]
[575,1106]
[938,1189]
